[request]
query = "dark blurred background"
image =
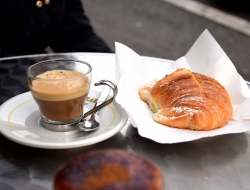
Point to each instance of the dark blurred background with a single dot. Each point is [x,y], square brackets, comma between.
[239,8]
[157,28]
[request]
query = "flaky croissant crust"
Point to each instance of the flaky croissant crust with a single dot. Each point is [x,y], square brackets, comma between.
[188,100]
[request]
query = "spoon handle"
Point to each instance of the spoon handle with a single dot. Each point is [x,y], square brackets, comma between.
[97,107]
[103,95]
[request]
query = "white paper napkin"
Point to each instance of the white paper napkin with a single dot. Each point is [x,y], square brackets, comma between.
[206,57]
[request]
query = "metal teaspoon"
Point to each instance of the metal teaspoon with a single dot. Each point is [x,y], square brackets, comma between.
[92,124]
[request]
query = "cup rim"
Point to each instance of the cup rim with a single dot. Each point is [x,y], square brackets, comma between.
[57,60]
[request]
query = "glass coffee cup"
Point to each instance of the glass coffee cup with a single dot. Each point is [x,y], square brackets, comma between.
[60,87]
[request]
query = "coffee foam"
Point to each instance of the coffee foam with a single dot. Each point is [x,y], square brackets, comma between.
[59,74]
[70,85]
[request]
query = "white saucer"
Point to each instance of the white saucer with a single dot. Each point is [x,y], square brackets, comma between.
[19,118]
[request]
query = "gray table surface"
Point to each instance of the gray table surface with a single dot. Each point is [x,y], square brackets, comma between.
[221,162]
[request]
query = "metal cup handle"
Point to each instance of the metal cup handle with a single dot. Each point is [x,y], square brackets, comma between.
[105,103]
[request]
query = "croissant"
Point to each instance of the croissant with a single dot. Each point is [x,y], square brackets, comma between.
[188,100]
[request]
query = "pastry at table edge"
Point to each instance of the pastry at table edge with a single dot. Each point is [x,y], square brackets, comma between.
[188,100]
[108,169]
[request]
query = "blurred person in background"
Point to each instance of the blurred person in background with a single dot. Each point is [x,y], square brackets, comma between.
[39,26]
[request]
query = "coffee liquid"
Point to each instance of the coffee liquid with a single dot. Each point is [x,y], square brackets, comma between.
[61,99]
[61,110]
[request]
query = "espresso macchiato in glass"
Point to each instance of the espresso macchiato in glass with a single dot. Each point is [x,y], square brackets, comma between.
[59,88]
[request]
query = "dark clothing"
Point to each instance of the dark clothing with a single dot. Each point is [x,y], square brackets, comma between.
[61,25]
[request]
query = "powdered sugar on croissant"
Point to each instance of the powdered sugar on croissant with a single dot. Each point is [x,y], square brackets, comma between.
[188,100]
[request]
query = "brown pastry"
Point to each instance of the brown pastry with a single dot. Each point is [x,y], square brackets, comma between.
[110,170]
[188,100]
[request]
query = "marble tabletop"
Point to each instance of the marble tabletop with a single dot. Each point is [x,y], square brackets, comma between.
[221,162]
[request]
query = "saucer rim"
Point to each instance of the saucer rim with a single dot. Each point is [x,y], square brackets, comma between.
[62,145]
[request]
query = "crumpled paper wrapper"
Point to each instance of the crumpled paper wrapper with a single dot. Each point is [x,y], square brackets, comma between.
[205,57]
